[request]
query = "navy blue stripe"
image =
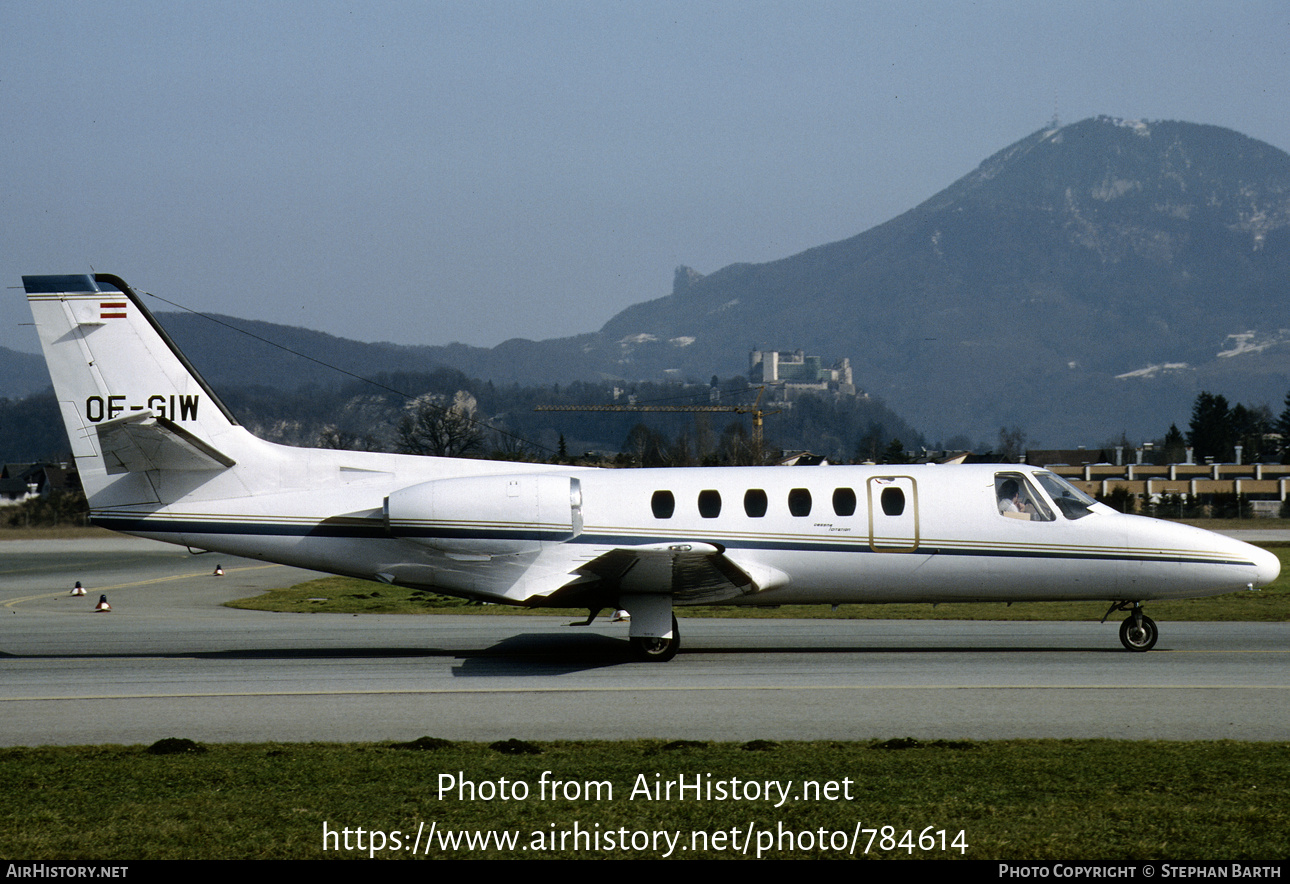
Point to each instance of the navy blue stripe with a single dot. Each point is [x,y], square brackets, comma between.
[173,526]
[923,549]
[377,529]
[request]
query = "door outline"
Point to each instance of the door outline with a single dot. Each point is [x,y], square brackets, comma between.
[897,533]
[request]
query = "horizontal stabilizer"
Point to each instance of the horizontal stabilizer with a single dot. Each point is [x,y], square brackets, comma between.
[145,441]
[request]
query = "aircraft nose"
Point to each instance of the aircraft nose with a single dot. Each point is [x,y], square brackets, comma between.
[1267,565]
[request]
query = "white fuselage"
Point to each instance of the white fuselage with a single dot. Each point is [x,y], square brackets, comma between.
[161,456]
[513,533]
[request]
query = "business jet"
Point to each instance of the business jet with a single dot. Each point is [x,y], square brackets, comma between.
[160,456]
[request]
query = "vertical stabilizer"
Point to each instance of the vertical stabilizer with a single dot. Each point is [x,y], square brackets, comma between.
[130,400]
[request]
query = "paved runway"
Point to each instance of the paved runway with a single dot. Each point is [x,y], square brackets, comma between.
[171,661]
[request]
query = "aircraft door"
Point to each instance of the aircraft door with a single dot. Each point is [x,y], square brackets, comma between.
[893,514]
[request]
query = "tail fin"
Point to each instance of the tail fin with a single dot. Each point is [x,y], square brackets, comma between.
[130,400]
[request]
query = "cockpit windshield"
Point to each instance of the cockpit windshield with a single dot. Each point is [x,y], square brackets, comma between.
[1073,503]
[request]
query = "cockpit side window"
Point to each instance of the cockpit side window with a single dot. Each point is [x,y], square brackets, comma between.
[1017,498]
[1073,503]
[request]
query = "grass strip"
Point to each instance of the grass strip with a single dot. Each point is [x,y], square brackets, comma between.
[1046,799]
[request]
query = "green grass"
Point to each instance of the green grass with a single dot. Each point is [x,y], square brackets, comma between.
[346,595]
[1014,799]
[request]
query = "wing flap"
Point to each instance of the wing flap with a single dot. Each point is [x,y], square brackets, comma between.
[696,573]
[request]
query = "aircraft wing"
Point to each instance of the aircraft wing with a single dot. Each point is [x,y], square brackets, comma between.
[691,573]
[145,441]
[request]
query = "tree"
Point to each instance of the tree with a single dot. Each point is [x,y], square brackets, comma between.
[1174,447]
[1249,427]
[1283,423]
[1213,433]
[506,445]
[1012,443]
[895,453]
[870,443]
[432,427]
[331,437]
[735,448]
[646,448]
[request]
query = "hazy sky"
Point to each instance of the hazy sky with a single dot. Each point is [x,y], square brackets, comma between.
[427,172]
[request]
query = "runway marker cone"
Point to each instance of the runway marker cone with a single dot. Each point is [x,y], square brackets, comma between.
[78,589]
[103,604]
[219,570]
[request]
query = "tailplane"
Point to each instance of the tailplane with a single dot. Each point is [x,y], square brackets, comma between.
[130,400]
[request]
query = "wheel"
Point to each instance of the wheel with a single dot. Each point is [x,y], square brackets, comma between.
[1139,638]
[658,650]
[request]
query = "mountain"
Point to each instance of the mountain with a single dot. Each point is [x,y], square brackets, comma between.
[1088,279]
[21,374]
[228,358]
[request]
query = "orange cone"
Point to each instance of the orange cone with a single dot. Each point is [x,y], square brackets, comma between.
[103,604]
[78,589]
[219,570]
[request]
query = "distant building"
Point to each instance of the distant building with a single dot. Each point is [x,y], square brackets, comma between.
[1075,457]
[787,374]
[23,481]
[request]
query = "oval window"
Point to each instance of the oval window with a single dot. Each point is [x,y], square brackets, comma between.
[663,504]
[893,501]
[844,501]
[709,504]
[799,502]
[755,503]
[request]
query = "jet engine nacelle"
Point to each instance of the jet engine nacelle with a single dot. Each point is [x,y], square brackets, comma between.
[491,515]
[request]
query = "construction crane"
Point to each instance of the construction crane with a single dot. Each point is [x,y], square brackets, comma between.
[757,412]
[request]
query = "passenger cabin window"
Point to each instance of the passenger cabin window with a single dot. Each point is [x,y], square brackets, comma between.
[755,503]
[893,501]
[799,502]
[844,501]
[709,504]
[663,504]
[1017,499]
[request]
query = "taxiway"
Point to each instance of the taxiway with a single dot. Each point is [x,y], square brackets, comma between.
[170,660]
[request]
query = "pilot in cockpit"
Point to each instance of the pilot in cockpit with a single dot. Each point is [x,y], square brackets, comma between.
[1010,502]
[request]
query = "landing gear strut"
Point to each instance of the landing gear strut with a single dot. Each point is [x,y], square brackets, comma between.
[658,650]
[1138,631]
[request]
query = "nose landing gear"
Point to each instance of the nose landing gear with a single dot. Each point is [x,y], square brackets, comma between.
[1138,631]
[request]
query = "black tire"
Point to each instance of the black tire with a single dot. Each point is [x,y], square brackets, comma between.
[658,650]
[1139,639]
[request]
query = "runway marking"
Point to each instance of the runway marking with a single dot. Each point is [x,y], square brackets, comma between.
[102,589]
[619,690]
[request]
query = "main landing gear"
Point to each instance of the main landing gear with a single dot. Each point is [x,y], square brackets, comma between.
[653,633]
[658,650]
[1138,631]
[649,616]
